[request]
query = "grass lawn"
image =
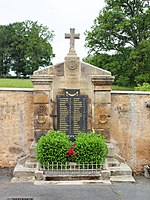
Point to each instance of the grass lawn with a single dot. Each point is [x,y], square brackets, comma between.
[115,87]
[15,83]
[26,83]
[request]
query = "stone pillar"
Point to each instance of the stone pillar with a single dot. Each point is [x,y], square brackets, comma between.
[102,104]
[43,105]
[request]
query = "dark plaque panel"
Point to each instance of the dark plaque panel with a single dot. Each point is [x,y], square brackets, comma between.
[72,112]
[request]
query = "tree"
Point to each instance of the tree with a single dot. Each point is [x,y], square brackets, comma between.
[4,51]
[118,64]
[29,47]
[122,27]
[140,60]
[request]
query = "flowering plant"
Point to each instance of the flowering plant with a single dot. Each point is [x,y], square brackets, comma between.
[71,154]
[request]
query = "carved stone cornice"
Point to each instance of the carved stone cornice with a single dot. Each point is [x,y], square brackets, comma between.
[102,80]
[42,80]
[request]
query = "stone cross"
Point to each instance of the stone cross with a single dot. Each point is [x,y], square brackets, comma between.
[72,36]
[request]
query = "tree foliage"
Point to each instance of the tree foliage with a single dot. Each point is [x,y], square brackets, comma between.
[4,50]
[144,87]
[26,47]
[122,28]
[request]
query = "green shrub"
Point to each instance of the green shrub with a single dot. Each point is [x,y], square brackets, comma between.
[90,148]
[144,87]
[52,147]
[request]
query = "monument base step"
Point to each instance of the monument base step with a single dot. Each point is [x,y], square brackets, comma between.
[125,178]
[113,162]
[26,174]
[79,182]
[30,164]
[121,170]
[22,171]
[23,179]
[73,177]
[114,170]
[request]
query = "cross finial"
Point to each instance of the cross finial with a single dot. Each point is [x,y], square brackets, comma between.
[72,36]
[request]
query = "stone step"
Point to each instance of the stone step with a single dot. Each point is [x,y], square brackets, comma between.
[121,170]
[29,164]
[22,171]
[113,162]
[77,182]
[125,178]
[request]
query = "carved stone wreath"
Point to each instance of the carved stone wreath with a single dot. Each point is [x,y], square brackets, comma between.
[72,64]
[41,119]
[103,119]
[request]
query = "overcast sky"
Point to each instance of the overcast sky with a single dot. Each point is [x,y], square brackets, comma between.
[58,15]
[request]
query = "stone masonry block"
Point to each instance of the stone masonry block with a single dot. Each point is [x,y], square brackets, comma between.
[102,88]
[39,175]
[102,97]
[32,151]
[102,109]
[41,97]
[111,150]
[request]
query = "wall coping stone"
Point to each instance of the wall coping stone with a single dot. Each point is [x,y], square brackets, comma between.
[130,92]
[18,89]
[112,92]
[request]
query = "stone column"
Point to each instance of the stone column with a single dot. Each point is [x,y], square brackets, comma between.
[43,105]
[102,104]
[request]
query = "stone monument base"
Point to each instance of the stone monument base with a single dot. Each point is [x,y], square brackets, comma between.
[27,169]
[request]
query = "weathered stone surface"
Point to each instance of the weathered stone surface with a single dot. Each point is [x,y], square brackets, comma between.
[103,97]
[130,127]
[41,96]
[16,125]
[88,70]
[57,70]
[72,67]
[102,109]
[102,87]
[39,175]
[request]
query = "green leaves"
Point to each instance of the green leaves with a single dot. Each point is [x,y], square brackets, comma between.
[90,148]
[28,46]
[122,29]
[52,147]
[144,87]
[121,23]
[55,147]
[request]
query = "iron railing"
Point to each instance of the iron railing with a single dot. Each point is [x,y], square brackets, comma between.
[71,168]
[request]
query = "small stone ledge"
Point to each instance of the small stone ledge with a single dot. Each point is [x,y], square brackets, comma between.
[17,89]
[130,92]
[79,182]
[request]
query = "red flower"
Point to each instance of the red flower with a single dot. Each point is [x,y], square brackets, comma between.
[70,151]
[74,154]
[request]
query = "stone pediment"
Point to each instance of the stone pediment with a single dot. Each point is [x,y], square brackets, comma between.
[85,69]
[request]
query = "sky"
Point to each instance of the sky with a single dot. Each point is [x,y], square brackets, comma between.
[57,15]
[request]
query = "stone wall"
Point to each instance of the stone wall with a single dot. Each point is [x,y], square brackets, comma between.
[130,127]
[16,124]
